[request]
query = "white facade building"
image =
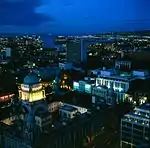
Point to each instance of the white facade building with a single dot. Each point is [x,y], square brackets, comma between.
[68,111]
[110,79]
[82,110]
[120,82]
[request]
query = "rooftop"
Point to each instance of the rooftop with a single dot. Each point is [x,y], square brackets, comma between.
[68,108]
[125,76]
[120,77]
[145,107]
[137,114]
[31,79]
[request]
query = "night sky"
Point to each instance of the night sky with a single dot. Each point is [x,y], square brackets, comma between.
[73,16]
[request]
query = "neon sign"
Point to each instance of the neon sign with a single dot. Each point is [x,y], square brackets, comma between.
[7,97]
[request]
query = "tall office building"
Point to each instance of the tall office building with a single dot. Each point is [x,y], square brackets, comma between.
[135,127]
[76,51]
[8,52]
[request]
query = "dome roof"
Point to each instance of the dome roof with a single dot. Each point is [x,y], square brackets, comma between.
[31,79]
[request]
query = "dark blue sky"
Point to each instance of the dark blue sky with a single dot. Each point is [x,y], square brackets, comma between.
[73,16]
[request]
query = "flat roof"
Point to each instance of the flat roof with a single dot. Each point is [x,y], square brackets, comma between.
[124,78]
[133,114]
[145,106]
[68,108]
[118,77]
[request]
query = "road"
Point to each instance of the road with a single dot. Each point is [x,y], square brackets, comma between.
[109,137]
[107,140]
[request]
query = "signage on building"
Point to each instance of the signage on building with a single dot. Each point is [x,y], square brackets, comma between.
[6,97]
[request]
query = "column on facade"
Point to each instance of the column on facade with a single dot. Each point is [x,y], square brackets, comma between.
[114,85]
[116,97]
[130,65]
[120,84]
[109,84]
[126,65]
[119,65]
[102,81]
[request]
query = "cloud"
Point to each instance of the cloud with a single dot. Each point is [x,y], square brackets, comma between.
[44,27]
[74,16]
[14,1]
[21,13]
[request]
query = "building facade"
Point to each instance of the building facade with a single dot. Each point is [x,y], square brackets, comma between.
[83,86]
[122,84]
[135,127]
[8,52]
[23,127]
[32,89]
[101,95]
[123,65]
[76,51]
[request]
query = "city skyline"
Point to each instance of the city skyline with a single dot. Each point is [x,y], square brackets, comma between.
[66,96]
[61,17]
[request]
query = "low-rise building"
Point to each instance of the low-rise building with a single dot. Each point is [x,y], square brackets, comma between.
[54,106]
[68,112]
[108,79]
[120,81]
[84,85]
[101,95]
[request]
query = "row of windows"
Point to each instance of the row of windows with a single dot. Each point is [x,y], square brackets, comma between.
[65,115]
[142,113]
[99,92]
[135,122]
[138,127]
[115,84]
[129,125]
[132,141]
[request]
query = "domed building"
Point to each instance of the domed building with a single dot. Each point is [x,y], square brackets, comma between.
[32,89]
[31,79]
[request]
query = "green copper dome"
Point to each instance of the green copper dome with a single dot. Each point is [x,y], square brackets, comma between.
[31,79]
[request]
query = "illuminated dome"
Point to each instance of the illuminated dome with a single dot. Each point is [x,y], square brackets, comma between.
[31,79]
